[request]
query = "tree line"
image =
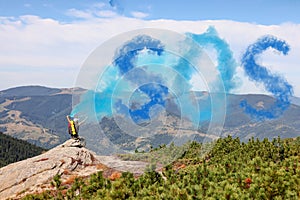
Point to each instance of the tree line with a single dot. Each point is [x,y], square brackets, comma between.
[13,150]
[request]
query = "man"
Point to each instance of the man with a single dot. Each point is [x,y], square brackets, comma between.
[73,127]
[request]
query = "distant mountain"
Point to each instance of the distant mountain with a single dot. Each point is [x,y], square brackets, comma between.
[239,124]
[296,101]
[37,114]
[13,150]
[29,91]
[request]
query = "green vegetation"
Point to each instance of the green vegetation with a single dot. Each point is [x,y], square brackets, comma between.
[13,150]
[231,170]
[161,155]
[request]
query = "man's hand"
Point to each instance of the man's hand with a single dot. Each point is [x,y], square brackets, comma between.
[68,118]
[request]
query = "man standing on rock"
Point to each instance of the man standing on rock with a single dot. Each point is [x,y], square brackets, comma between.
[73,127]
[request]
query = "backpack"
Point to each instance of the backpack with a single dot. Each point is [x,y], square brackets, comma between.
[72,128]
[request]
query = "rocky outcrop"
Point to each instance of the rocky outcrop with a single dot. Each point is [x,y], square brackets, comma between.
[35,174]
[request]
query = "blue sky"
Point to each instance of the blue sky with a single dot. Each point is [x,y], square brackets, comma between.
[46,42]
[258,11]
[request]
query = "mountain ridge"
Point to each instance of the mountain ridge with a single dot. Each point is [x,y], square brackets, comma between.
[37,114]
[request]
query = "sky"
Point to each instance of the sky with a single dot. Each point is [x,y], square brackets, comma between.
[46,42]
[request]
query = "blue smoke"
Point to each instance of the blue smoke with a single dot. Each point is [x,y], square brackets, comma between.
[127,54]
[226,63]
[117,4]
[99,101]
[142,51]
[94,102]
[226,66]
[125,60]
[145,72]
[273,83]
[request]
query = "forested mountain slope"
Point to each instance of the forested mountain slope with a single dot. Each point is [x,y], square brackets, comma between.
[13,150]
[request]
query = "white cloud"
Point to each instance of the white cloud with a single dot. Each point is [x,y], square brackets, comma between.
[99,5]
[95,10]
[139,15]
[106,13]
[47,44]
[79,13]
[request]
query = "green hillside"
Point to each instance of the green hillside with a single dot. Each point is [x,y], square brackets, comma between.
[231,170]
[13,150]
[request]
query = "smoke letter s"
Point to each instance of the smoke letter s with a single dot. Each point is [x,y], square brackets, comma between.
[275,84]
